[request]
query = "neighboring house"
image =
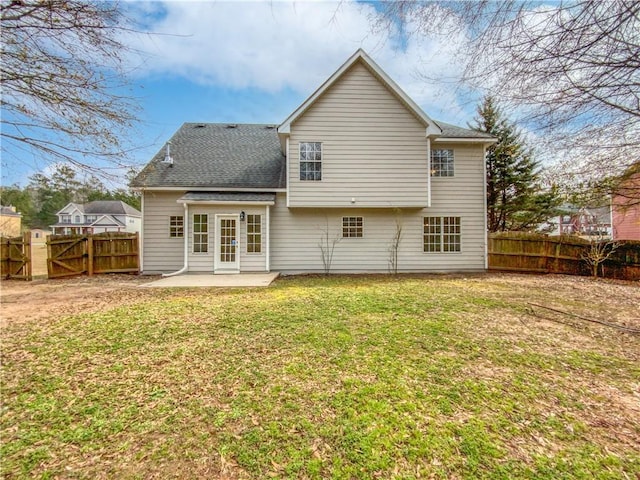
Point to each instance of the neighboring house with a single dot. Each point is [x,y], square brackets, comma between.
[626,208]
[97,217]
[39,235]
[10,221]
[585,222]
[356,160]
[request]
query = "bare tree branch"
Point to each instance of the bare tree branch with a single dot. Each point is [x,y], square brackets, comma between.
[571,69]
[61,70]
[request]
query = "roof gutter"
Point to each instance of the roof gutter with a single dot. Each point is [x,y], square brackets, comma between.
[486,141]
[185,267]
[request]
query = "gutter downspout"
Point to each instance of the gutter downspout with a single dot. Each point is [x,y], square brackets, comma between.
[186,246]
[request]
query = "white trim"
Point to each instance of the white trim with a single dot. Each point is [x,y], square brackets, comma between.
[360,55]
[287,166]
[216,246]
[142,234]
[208,189]
[484,184]
[428,172]
[267,243]
[487,141]
[225,202]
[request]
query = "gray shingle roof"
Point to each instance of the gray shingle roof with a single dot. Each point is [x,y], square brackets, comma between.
[9,212]
[110,207]
[214,155]
[452,131]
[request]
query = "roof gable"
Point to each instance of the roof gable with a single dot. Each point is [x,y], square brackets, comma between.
[432,127]
[71,209]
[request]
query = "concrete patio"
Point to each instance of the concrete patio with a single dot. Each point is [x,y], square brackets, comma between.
[210,280]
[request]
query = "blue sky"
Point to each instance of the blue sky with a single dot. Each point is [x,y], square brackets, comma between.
[255,62]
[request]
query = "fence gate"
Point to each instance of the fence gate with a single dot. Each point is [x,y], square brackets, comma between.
[16,257]
[66,255]
[110,252]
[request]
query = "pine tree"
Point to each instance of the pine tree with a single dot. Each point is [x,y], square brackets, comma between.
[515,199]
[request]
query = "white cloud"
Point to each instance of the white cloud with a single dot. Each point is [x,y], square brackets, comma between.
[273,46]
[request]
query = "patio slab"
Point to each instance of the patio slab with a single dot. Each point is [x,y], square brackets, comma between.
[210,280]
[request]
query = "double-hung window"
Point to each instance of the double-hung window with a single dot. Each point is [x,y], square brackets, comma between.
[442,163]
[254,233]
[200,233]
[176,226]
[311,161]
[441,234]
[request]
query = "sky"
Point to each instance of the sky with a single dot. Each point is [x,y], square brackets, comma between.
[256,62]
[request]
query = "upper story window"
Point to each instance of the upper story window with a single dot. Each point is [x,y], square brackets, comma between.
[65,218]
[77,219]
[254,233]
[91,218]
[310,161]
[352,227]
[442,163]
[176,226]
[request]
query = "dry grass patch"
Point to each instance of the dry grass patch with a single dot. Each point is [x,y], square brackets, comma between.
[340,377]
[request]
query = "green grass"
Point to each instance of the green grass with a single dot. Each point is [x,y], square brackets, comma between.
[345,377]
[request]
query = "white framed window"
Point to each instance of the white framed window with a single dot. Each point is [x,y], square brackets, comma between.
[200,233]
[65,218]
[176,226]
[311,161]
[91,218]
[352,227]
[254,233]
[442,163]
[77,219]
[441,234]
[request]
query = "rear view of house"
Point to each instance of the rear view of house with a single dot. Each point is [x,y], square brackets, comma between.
[357,179]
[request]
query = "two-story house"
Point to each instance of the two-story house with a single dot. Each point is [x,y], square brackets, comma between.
[97,217]
[329,188]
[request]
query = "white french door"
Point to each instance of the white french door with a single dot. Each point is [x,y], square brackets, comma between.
[227,258]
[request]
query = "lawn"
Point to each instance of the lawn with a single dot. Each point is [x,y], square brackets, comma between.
[340,377]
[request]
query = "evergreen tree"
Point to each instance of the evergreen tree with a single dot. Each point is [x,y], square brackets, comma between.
[515,199]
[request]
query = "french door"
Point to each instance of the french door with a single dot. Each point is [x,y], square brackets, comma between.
[227,258]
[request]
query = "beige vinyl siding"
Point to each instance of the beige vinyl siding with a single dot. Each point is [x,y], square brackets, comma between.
[296,233]
[165,254]
[161,253]
[373,148]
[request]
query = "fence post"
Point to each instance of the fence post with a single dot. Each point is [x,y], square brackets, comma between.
[26,251]
[90,254]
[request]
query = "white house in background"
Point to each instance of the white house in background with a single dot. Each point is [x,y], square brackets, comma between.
[97,217]
[356,160]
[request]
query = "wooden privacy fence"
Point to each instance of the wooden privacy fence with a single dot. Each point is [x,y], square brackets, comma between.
[15,258]
[92,253]
[542,254]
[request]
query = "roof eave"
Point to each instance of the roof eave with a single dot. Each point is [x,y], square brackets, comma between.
[485,141]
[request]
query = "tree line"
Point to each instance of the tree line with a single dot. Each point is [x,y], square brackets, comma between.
[45,195]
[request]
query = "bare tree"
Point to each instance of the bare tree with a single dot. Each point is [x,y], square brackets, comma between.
[394,246]
[572,69]
[327,245]
[598,250]
[62,66]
